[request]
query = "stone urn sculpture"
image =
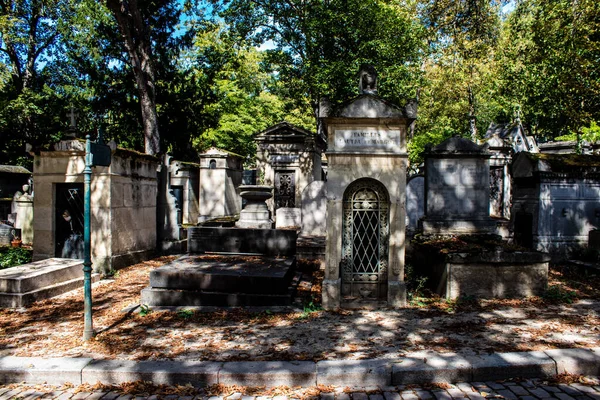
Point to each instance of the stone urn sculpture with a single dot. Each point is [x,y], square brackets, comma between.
[255,214]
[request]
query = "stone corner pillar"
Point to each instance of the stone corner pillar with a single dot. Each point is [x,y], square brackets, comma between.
[396,294]
[331,295]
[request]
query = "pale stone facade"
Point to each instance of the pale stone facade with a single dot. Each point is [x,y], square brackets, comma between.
[220,179]
[289,159]
[185,176]
[366,151]
[123,204]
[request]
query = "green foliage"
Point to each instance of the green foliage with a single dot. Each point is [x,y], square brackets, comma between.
[112,273]
[185,313]
[550,52]
[467,64]
[319,46]
[13,256]
[559,295]
[309,309]
[145,310]
[588,133]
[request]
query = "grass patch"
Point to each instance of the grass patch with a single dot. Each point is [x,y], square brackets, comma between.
[13,256]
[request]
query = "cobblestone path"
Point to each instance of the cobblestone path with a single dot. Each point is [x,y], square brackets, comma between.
[511,390]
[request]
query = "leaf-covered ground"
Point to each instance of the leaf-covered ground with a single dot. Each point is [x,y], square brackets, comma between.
[568,316]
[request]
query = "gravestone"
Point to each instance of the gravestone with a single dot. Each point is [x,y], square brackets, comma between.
[12,178]
[457,200]
[287,217]
[366,183]
[27,283]
[228,267]
[415,203]
[314,208]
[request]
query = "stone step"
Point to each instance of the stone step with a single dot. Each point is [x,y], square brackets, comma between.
[198,298]
[39,274]
[18,300]
[189,298]
[227,274]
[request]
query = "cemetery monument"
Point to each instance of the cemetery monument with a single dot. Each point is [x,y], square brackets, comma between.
[367,162]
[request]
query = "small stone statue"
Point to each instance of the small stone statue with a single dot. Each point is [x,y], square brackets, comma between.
[367,83]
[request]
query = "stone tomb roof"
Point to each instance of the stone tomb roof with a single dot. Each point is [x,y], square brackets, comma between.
[284,132]
[14,169]
[216,152]
[373,106]
[458,146]
[526,164]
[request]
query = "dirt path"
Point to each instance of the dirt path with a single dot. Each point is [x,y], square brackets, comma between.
[53,328]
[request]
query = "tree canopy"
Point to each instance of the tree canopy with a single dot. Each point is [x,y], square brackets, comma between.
[181,76]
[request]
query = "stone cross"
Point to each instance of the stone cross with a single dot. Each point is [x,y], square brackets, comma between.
[72,115]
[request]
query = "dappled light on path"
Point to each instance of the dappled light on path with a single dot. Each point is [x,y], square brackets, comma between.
[54,327]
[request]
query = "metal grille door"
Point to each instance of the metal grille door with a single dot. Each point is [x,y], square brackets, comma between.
[68,235]
[285,189]
[365,240]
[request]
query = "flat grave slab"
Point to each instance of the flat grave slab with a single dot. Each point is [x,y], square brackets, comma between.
[228,273]
[222,280]
[25,284]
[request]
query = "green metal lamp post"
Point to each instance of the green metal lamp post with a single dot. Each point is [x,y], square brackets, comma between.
[96,154]
[88,328]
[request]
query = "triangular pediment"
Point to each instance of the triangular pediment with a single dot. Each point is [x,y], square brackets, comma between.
[371,106]
[284,128]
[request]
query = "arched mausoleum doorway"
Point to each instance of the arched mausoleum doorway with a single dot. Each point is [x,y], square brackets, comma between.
[365,240]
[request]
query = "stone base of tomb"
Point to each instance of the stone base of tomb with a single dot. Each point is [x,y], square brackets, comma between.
[458,227]
[222,281]
[475,271]
[20,286]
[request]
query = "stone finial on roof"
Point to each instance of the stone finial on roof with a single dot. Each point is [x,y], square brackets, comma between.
[367,83]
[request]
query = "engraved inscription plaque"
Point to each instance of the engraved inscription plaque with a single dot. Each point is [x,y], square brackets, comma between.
[367,138]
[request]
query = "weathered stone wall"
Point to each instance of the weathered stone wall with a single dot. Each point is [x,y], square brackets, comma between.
[133,186]
[219,181]
[123,204]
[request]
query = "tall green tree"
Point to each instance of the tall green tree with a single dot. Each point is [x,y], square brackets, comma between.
[319,45]
[238,98]
[30,110]
[550,55]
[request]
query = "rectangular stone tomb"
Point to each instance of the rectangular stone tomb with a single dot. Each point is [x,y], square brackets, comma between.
[222,280]
[268,242]
[483,274]
[22,285]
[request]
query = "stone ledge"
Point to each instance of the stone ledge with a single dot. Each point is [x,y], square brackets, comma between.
[354,372]
[576,361]
[35,370]
[431,367]
[269,373]
[115,372]
[534,364]
[418,368]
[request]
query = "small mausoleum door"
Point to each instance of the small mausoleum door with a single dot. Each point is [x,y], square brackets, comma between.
[365,240]
[68,233]
[285,189]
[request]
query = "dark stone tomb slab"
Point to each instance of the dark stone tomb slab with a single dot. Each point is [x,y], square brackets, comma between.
[228,267]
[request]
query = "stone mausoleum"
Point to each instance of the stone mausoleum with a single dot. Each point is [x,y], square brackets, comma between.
[123,206]
[288,158]
[367,162]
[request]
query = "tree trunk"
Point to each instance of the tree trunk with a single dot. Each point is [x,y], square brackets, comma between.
[472,124]
[138,44]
